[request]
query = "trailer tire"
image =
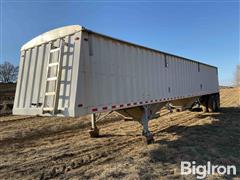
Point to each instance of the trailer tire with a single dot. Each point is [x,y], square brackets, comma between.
[214,103]
[217,99]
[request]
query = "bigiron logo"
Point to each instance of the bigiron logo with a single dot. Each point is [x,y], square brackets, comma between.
[201,171]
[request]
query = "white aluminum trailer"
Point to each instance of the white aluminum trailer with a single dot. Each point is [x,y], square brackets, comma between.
[73,71]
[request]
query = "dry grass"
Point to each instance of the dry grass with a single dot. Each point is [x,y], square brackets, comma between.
[43,148]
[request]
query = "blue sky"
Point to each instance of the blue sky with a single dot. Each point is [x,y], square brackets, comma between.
[203,31]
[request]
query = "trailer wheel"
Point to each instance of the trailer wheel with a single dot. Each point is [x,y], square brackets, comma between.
[217,99]
[204,101]
[214,103]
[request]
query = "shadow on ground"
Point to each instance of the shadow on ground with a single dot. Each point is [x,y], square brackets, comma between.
[217,142]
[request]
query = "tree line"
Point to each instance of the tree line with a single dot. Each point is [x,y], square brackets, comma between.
[8,72]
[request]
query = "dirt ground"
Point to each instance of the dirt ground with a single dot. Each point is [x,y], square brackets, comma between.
[60,148]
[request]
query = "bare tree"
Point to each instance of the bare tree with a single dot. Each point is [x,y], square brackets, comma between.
[237,76]
[8,72]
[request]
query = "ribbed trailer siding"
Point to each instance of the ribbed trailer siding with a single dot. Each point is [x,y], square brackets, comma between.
[101,73]
[32,73]
[116,74]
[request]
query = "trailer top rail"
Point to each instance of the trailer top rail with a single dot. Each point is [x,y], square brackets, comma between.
[64,31]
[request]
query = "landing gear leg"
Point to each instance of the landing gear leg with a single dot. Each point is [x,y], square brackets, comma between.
[94,131]
[144,122]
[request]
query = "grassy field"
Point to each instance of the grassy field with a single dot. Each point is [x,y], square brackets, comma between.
[54,147]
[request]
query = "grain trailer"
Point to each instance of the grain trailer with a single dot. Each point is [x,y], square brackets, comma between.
[73,71]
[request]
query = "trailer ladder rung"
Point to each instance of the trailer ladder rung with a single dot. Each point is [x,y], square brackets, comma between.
[50,93]
[53,64]
[48,109]
[54,50]
[52,78]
